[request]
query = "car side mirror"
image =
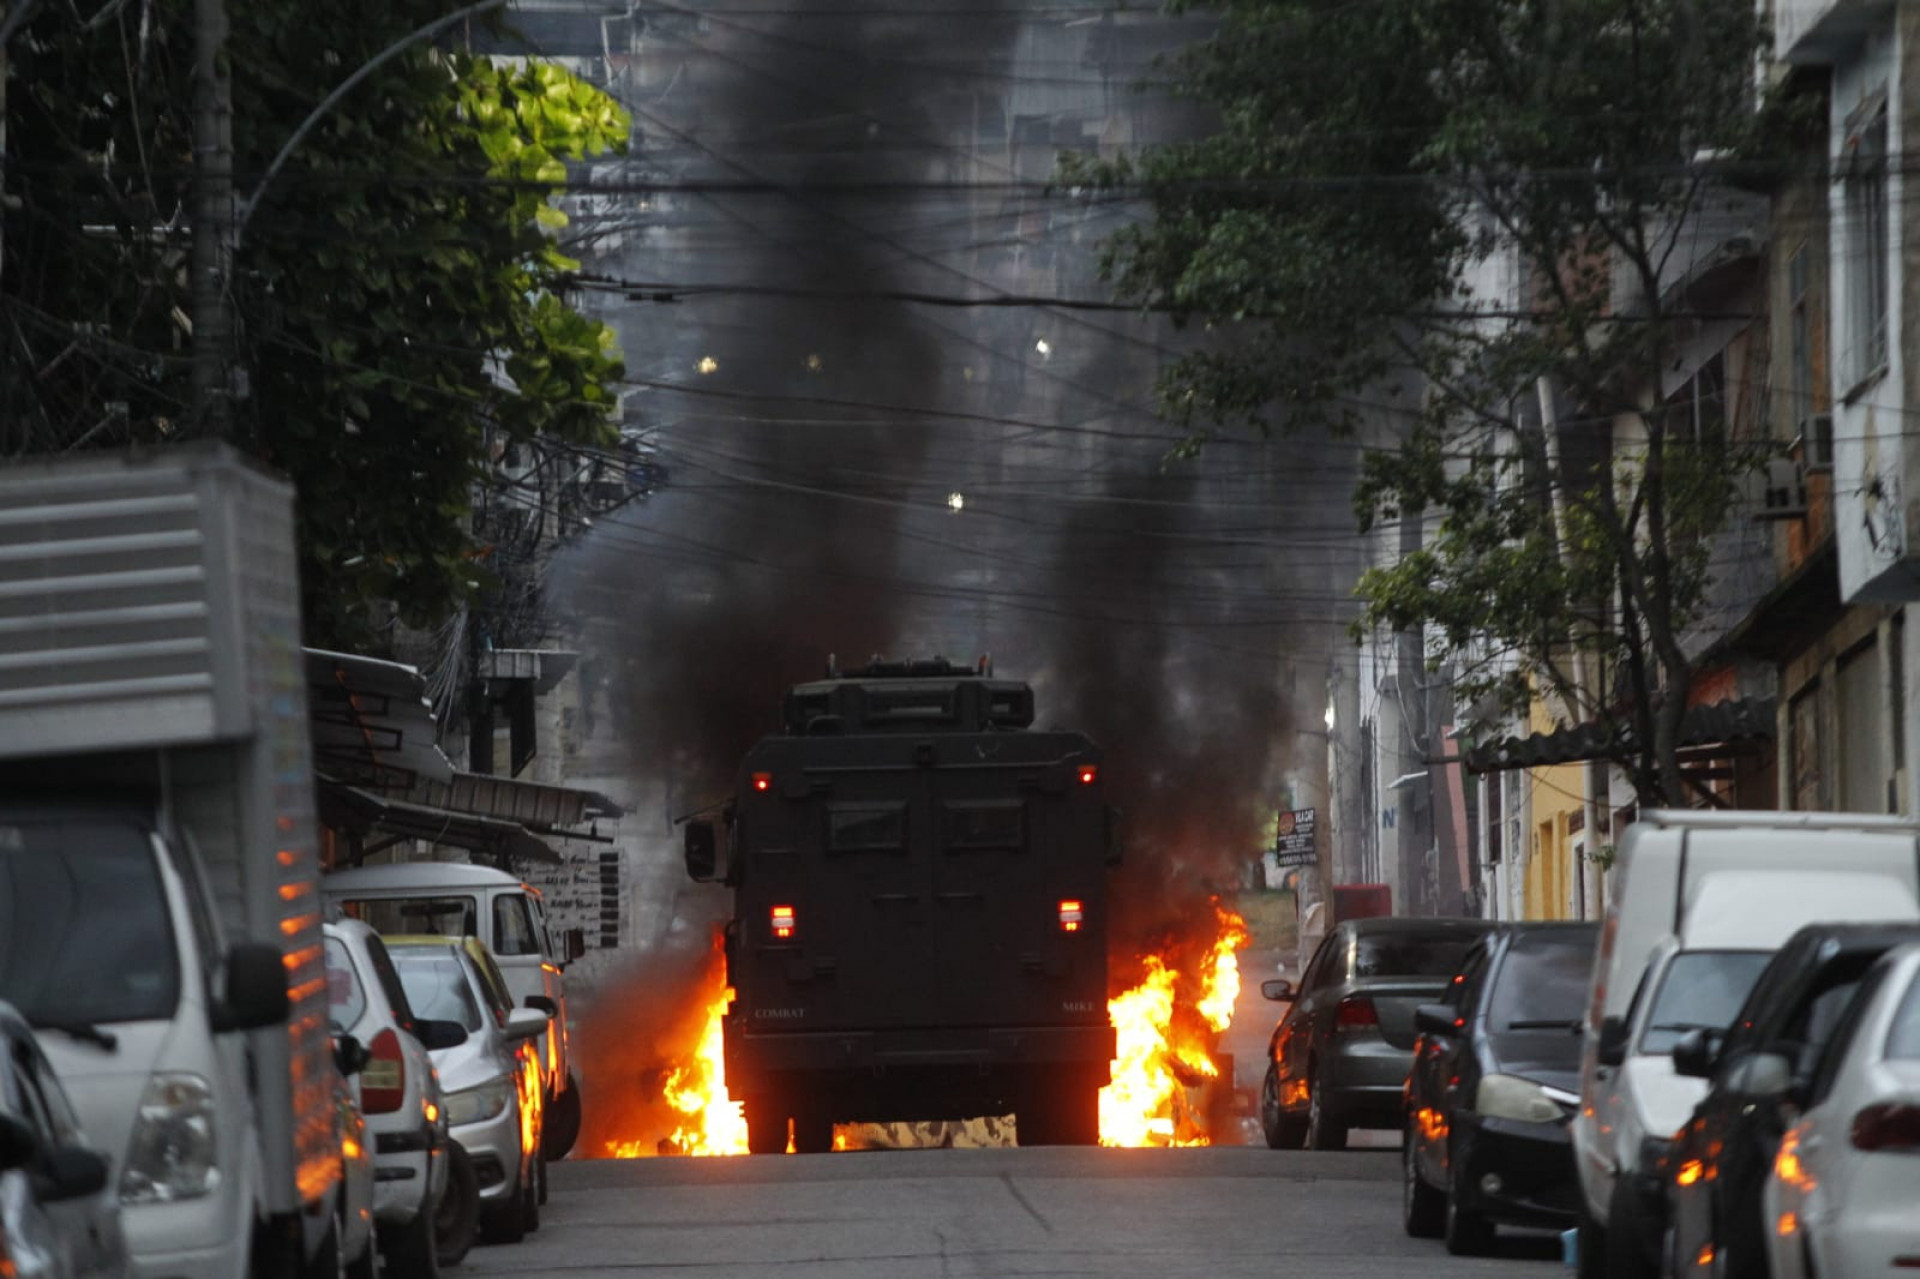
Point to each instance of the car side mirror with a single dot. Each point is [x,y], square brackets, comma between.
[1760,1076]
[525,1023]
[1436,1019]
[350,1055]
[1695,1054]
[256,989]
[573,944]
[1278,989]
[1612,1048]
[702,851]
[543,1004]
[19,1146]
[435,1035]
[73,1172]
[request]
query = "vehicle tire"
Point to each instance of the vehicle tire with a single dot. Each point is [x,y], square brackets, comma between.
[1282,1131]
[542,1182]
[412,1249]
[1591,1244]
[367,1264]
[530,1192]
[766,1127]
[326,1261]
[1423,1209]
[457,1216]
[1630,1252]
[1063,1113]
[812,1132]
[1325,1130]
[563,1122]
[506,1221]
[1468,1233]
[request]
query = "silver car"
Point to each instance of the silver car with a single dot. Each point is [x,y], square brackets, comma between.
[491,1083]
[57,1218]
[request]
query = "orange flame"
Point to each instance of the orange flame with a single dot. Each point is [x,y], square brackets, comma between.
[1159,1054]
[711,1122]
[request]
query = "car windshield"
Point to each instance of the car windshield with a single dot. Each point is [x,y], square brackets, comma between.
[1700,990]
[436,985]
[425,916]
[1411,954]
[85,936]
[1543,983]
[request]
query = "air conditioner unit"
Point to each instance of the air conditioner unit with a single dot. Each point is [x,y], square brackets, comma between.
[1816,442]
[1783,490]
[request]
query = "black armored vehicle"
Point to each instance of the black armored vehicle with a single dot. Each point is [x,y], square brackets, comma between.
[919,923]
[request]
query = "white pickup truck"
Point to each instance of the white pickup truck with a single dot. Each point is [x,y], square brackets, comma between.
[159,906]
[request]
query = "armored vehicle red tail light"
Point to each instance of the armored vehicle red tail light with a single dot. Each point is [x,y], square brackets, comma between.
[1071,915]
[783,922]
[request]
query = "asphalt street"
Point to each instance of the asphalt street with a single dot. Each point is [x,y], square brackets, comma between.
[938,1213]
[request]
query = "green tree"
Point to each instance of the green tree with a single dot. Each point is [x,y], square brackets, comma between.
[399,292]
[1368,157]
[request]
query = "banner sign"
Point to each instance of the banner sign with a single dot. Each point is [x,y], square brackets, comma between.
[1293,844]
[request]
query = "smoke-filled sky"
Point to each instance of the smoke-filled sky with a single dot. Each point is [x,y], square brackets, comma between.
[819,436]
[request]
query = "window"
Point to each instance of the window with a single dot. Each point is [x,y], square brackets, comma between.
[860,828]
[1700,990]
[1903,1039]
[1542,986]
[1411,954]
[1808,398]
[1863,709]
[1867,240]
[437,987]
[346,1002]
[513,932]
[984,825]
[1809,794]
[417,916]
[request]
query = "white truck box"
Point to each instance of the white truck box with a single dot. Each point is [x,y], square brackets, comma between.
[150,638]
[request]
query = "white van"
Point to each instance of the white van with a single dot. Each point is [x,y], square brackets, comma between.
[454,899]
[1701,900]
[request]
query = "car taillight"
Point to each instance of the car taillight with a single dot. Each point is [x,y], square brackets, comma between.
[763,781]
[1072,913]
[1888,1126]
[1356,1012]
[383,1081]
[784,922]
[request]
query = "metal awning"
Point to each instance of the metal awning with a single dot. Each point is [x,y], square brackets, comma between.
[344,807]
[1717,724]
[545,667]
[371,723]
[534,805]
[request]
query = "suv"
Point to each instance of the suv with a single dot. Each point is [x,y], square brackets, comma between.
[447,899]
[491,1078]
[1339,1058]
[399,1091]
[1719,1161]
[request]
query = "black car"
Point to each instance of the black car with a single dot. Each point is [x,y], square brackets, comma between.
[1718,1163]
[1339,1057]
[1495,1079]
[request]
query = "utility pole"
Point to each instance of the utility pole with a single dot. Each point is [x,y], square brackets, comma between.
[212,222]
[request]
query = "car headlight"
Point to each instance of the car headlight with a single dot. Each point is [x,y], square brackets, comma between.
[477,1105]
[171,1154]
[1511,1097]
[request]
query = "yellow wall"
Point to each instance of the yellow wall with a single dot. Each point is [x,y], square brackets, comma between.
[1554,794]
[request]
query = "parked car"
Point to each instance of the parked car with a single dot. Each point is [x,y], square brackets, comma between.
[491,1081]
[1495,1078]
[1701,901]
[453,900]
[1843,1198]
[399,1093]
[1720,1159]
[1339,1057]
[58,1217]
